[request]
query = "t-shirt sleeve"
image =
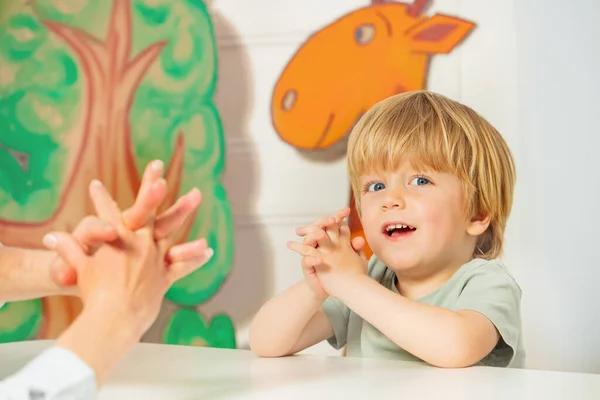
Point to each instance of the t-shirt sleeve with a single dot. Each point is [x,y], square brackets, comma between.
[491,291]
[339,315]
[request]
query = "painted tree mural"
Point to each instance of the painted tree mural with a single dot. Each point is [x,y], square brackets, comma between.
[96,89]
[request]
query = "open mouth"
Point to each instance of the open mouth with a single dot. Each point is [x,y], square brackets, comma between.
[398,229]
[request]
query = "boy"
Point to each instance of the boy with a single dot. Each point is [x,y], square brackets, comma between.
[433,183]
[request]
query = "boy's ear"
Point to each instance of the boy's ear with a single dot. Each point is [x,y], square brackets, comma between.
[478,225]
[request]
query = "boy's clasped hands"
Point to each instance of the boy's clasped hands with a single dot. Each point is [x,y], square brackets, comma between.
[329,255]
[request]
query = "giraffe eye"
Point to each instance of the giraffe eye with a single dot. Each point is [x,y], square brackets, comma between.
[364,34]
[289,100]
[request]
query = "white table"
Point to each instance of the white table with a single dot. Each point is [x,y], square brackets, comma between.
[175,372]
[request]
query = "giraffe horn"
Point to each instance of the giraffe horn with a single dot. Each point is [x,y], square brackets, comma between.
[417,7]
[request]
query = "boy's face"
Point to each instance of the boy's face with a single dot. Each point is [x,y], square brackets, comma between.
[415,218]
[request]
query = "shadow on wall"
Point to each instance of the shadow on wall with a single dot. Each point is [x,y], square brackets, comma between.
[246,288]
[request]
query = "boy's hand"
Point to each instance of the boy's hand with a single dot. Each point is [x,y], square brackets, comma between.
[91,233]
[323,232]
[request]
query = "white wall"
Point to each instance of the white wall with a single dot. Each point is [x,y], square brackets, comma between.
[559,100]
[550,244]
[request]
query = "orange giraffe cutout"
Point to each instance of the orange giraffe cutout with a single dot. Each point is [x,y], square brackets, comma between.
[345,68]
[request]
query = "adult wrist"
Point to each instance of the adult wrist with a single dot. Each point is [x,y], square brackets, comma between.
[100,336]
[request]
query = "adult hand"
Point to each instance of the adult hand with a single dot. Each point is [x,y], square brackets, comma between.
[91,233]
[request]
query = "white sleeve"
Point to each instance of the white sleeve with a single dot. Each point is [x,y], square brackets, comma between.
[55,374]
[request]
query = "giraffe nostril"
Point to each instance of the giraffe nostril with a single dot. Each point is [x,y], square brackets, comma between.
[289,100]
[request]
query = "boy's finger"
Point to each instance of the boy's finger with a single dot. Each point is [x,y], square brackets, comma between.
[316,237]
[358,243]
[182,269]
[67,248]
[324,222]
[343,213]
[171,220]
[92,232]
[306,229]
[320,223]
[310,262]
[326,240]
[313,238]
[302,249]
[333,235]
[345,232]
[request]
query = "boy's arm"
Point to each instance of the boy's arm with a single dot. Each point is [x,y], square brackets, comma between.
[289,322]
[439,336]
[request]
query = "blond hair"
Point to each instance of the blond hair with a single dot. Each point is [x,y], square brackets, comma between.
[432,130]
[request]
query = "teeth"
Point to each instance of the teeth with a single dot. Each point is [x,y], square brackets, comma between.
[395,226]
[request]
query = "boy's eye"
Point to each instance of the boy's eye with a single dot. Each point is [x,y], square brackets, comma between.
[374,187]
[420,181]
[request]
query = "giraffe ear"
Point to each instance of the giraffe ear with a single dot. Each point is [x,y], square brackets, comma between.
[439,34]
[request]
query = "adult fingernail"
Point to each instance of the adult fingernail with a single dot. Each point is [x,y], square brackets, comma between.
[50,241]
[96,182]
[194,194]
[157,165]
[208,253]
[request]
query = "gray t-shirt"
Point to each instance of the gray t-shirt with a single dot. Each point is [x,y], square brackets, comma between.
[479,285]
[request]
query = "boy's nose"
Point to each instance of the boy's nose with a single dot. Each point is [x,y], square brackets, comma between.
[393,202]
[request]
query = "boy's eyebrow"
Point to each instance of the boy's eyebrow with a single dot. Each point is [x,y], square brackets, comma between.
[370,177]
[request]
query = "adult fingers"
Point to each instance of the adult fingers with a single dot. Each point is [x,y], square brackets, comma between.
[182,269]
[67,248]
[106,208]
[62,274]
[187,251]
[169,222]
[92,232]
[150,195]
[146,204]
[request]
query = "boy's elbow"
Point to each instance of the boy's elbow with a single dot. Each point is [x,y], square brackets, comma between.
[263,347]
[260,349]
[459,354]
[265,351]
[454,361]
